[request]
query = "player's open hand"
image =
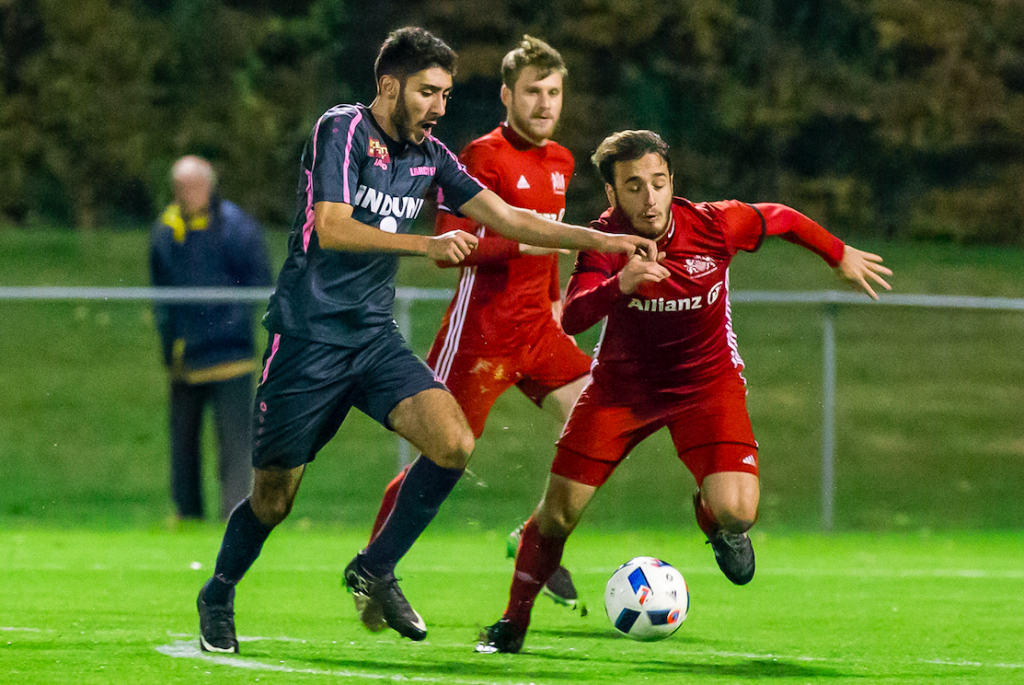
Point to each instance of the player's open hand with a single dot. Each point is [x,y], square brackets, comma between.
[451,247]
[641,270]
[857,267]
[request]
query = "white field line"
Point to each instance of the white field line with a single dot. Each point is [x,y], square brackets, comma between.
[15,629]
[242,638]
[190,650]
[974,664]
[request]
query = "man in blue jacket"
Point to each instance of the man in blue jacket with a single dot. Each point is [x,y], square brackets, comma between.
[202,240]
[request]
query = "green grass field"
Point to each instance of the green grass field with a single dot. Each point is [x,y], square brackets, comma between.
[922,583]
[118,607]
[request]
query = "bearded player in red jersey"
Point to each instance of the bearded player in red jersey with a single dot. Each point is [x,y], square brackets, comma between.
[668,358]
[501,328]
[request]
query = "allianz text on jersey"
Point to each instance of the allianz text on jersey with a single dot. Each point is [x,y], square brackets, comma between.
[684,304]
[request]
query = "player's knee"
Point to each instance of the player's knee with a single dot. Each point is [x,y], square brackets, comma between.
[462,447]
[271,504]
[454,451]
[556,521]
[738,517]
[271,511]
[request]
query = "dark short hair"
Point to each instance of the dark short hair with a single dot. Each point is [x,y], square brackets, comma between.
[531,52]
[412,49]
[626,146]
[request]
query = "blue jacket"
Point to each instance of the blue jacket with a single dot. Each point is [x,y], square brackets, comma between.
[207,342]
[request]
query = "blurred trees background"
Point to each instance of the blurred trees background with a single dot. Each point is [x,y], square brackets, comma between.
[883,118]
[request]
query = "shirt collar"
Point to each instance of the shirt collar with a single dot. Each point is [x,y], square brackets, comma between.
[514,139]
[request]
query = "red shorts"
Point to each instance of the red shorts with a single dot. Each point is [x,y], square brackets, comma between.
[710,429]
[552,361]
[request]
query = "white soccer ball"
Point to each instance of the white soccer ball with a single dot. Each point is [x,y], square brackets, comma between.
[646,599]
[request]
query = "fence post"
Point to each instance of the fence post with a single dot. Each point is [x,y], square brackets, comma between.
[828,422]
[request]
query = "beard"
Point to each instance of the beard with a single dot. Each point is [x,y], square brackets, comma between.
[641,226]
[402,121]
[536,129]
[400,118]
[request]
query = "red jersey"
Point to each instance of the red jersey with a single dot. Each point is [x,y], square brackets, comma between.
[671,337]
[504,298]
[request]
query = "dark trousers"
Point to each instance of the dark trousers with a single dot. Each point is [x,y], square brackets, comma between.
[232,412]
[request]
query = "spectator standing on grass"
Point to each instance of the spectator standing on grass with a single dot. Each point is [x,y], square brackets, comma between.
[501,328]
[203,240]
[668,358]
[334,343]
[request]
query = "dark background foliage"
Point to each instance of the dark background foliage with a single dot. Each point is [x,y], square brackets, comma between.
[889,118]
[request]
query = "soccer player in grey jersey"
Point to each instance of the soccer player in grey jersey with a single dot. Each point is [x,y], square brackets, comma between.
[334,344]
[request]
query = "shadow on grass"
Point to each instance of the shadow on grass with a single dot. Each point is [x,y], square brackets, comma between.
[568,668]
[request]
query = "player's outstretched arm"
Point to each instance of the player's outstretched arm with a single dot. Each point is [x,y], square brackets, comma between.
[787,223]
[528,227]
[337,230]
[857,267]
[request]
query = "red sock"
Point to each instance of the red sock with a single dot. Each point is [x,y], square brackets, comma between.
[539,556]
[388,503]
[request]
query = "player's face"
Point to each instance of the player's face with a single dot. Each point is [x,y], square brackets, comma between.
[643,192]
[534,104]
[422,100]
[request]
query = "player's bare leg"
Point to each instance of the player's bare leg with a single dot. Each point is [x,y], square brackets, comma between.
[726,507]
[540,554]
[560,402]
[560,588]
[273,493]
[563,505]
[248,526]
[433,423]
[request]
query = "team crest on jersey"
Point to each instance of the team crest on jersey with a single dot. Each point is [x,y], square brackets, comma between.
[379,151]
[699,265]
[558,183]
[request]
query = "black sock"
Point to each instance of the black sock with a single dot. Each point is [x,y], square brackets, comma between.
[426,486]
[243,541]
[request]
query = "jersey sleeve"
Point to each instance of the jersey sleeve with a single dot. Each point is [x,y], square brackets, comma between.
[791,225]
[743,225]
[592,292]
[492,249]
[456,184]
[337,148]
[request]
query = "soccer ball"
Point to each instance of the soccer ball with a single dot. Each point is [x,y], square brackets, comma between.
[646,599]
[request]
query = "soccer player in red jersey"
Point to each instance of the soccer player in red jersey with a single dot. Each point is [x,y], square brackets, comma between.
[500,329]
[667,358]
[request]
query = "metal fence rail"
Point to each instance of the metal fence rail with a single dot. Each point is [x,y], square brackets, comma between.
[828,301]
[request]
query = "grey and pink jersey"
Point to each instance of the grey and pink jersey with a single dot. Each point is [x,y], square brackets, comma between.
[346,298]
